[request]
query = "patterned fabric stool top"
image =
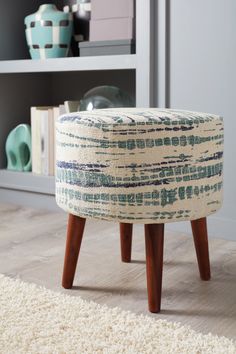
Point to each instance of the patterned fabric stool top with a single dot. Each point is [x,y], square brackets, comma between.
[139,165]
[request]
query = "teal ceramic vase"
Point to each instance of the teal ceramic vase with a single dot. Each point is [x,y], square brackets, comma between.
[18,149]
[49,32]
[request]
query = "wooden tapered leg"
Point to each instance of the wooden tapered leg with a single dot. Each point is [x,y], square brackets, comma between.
[199,228]
[75,229]
[154,239]
[126,241]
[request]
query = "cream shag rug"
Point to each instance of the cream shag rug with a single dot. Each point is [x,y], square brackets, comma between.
[36,320]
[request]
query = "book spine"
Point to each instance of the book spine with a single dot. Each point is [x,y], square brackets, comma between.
[71,106]
[36,141]
[44,141]
[51,141]
[56,114]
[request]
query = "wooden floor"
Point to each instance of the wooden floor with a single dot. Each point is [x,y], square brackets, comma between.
[32,248]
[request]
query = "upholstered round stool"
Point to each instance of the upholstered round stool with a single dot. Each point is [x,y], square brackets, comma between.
[149,166]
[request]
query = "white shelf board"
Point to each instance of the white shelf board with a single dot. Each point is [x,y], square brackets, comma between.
[27,181]
[108,62]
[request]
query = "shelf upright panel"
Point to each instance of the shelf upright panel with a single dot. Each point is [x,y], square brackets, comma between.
[145,52]
[163,53]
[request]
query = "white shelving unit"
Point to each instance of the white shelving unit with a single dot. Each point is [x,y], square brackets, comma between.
[32,82]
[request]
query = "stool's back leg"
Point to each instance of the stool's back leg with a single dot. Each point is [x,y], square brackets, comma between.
[199,228]
[154,239]
[75,229]
[126,241]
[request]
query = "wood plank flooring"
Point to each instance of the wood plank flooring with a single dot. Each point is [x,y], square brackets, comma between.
[32,248]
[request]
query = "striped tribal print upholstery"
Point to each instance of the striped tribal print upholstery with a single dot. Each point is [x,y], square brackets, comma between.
[139,165]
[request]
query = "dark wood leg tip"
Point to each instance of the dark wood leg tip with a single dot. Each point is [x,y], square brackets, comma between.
[67,285]
[205,277]
[126,259]
[155,309]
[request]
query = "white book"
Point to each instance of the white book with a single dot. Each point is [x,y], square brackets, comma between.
[62,110]
[72,106]
[44,124]
[36,140]
[56,115]
[51,139]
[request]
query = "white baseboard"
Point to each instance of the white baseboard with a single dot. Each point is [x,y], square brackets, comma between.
[218,227]
[28,199]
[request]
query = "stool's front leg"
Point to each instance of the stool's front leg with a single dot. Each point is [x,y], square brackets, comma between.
[75,230]
[154,239]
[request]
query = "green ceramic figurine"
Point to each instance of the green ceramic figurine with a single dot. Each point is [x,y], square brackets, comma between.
[18,149]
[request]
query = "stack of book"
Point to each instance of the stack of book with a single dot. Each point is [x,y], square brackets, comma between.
[112,20]
[43,121]
[112,28]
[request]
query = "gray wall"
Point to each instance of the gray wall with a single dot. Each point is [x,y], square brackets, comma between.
[15,102]
[202,76]
[73,85]
[13,43]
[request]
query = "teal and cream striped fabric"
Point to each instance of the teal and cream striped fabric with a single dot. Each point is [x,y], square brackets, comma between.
[139,165]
